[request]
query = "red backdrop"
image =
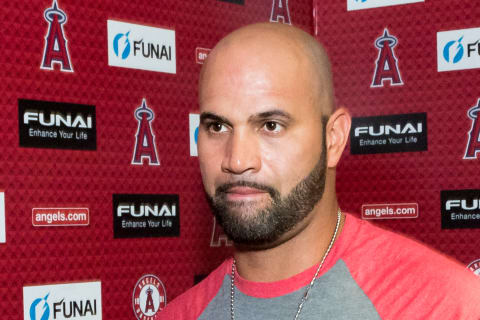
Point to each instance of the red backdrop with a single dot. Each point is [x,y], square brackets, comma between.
[55,178]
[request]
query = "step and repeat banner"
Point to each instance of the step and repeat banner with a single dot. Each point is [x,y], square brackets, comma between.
[409,72]
[102,209]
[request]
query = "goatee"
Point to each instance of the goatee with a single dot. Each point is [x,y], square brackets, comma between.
[246,225]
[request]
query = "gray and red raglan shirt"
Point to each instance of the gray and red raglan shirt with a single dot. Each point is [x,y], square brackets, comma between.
[370,273]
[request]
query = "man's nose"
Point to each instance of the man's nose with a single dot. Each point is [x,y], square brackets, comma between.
[242,154]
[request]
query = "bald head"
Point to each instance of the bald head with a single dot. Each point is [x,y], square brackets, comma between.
[277,46]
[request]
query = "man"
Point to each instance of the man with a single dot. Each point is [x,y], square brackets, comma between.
[268,145]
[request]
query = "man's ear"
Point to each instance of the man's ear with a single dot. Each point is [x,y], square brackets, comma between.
[338,130]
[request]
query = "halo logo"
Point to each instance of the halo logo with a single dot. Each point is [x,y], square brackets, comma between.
[386,65]
[46,309]
[280,11]
[473,144]
[459,51]
[149,297]
[56,50]
[125,44]
[145,139]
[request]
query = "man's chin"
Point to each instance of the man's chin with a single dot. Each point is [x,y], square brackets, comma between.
[247,227]
[245,208]
[251,227]
[269,241]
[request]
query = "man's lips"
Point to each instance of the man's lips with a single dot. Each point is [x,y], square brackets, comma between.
[237,193]
[245,190]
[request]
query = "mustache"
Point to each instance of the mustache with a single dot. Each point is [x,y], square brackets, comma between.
[222,189]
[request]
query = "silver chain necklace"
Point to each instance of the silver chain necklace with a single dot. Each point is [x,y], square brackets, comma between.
[305,296]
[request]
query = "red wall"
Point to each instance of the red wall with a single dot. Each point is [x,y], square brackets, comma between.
[33,177]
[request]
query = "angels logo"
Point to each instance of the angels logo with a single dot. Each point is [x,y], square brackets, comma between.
[218,236]
[56,50]
[145,139]
[280,11]
[473,145]
[475,267]
[386,66]
[149,297]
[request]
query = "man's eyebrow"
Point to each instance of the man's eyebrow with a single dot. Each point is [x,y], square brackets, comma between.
[270,114]
[204,116]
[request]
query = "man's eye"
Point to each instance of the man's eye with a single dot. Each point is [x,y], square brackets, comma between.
[217,127]
[272,126]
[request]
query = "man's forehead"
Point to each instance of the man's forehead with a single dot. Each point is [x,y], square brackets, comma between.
[254,117]
[251,63]
[243,73]
[264,62]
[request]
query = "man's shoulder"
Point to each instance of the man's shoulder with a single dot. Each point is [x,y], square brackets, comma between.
[371,243]
[403,277]
[191,303]
[378,250]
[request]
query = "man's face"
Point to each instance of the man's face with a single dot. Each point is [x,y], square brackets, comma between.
[261,141]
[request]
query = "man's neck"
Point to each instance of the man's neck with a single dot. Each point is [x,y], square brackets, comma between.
[303,250]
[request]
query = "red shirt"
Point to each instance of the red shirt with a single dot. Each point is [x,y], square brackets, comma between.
[397,278]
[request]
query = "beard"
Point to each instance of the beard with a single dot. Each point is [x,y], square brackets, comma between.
[246,225]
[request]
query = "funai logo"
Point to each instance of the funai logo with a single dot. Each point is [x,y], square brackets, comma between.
[121,45]
[82,301]
[460,209]
[366,4]
[40,309]
[141,47]
[194,123]
[458,49]
[453,51]
[146,215]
